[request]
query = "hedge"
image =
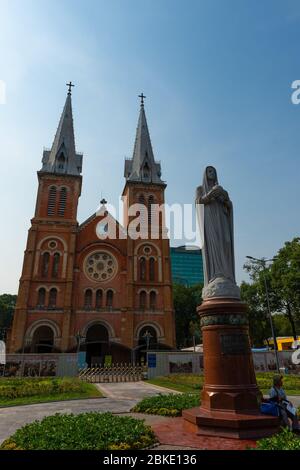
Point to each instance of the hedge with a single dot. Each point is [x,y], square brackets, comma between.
[86,431]
[167,405]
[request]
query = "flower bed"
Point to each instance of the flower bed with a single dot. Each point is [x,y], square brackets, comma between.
[86,431]
[167,405]
[284,440]
[20,391]
[194,382]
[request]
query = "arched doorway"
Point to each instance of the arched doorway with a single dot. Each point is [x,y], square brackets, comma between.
[97,344]
[147,342]
[43,340]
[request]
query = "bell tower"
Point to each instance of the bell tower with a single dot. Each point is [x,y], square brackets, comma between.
[45,290]
[149,270]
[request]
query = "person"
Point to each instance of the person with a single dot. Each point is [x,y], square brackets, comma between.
[286,408]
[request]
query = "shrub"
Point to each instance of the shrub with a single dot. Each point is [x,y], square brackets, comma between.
[167,405]
[86,431]
[284,440]
[28,387]
[290,382]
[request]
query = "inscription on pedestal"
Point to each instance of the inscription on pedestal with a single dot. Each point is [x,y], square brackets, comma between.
[234,344]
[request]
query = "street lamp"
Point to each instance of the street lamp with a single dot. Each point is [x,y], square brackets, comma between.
[79,338]
[262,263]
[147,337]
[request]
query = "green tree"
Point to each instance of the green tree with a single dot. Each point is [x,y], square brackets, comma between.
[7,307]
[285,282]
[186,300]
[259,324]
[282,325]
[282,278]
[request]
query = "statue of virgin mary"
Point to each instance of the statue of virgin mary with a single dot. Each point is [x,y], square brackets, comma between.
[215,218]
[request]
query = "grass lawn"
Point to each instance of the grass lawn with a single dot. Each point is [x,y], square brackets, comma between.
[25,391]
[194,383]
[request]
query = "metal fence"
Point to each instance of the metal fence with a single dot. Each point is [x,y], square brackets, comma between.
[113,373]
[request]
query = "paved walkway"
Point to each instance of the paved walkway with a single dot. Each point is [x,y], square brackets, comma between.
[120,398]
[132,390]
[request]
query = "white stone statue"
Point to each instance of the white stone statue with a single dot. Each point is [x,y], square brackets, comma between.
[215,218]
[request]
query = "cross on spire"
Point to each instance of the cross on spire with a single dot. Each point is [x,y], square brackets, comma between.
[142,96]
[70,84]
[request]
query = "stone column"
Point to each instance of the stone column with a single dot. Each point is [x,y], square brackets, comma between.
[230,397]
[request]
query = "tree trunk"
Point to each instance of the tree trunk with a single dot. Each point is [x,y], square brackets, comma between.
[291,320]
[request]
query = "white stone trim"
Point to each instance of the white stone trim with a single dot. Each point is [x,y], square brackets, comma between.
[108,326]
[156,326]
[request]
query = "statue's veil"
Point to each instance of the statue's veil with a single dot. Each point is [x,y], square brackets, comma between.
[207,185]
[205,188]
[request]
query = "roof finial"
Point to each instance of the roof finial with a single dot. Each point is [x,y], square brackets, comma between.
[142,96]
[70,84]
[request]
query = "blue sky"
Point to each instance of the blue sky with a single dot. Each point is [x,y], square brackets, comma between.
[217,75]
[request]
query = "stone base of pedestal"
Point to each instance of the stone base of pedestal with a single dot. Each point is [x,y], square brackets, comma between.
[245,425]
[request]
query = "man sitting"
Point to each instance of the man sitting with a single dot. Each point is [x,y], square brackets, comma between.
[286,409]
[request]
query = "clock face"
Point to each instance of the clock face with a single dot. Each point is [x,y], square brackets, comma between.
[100,266]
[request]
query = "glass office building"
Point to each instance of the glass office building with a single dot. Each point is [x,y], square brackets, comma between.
[186,265]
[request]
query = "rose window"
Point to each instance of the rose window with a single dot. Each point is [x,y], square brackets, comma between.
[100,266]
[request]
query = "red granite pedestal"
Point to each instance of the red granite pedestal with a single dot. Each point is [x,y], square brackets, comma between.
[230,396]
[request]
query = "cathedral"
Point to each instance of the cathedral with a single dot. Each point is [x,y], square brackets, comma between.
[110,297]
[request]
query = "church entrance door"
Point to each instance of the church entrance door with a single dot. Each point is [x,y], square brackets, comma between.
[97,345]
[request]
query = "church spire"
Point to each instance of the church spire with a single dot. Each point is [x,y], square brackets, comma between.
[62,158]
[142,166]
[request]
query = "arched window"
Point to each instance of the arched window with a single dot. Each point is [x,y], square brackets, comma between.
[142,269]
[152,300]
[55,265]
[61,162]
[88,299]
[109,298]
[146,170]
[62,202]
[45,264]
[52,297]
[141,199]
[99,298]
[41,297]
[143,212]
[151,269]
[51,200]
[143,300]
[150,210]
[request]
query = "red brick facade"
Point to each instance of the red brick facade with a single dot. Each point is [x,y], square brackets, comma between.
[110,292]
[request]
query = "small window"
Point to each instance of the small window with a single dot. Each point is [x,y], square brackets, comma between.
[45,264]
[150,209]
[61,162]
[142,269]
[41,297]
[55,265]
[152,300]
[62,202]
[99,298]
[52,298]
[88,299]
[146,170]
[152,269]
[143,300]
[109,298]
[52,200]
